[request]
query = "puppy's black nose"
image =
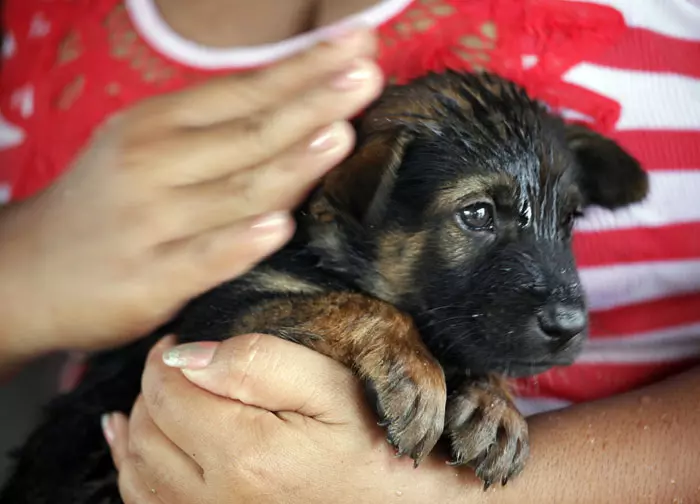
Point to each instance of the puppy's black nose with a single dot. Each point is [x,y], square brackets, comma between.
[562,321]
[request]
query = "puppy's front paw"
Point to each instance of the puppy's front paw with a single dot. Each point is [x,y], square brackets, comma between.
[487,431]
[409,395]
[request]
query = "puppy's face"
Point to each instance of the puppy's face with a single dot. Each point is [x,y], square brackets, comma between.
[462,194]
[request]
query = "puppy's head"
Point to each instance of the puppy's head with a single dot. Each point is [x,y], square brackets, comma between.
[458,206]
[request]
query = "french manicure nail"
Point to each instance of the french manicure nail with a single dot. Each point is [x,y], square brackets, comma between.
[107,429]
[326,139]
[190,355]
[353,78]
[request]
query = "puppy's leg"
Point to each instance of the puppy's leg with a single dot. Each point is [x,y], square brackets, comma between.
[486,430]
[381,345]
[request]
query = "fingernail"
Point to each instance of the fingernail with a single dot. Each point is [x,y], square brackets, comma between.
[107,429]
[353,78]
[190,355]
[271,222]
[327,139]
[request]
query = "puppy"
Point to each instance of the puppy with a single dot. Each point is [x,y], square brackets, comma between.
[435,262]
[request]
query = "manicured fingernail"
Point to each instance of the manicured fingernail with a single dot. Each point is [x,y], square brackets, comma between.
[270,223]
[327,139]
[190,355]
[107,429]
[353,78]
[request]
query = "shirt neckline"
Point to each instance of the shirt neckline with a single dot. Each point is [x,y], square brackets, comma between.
[160,36]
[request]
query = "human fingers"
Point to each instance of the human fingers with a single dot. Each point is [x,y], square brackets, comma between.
[197,421]
[115,425]
[241,95]
[133,489]
[160,463]
[115,428]
[204,154]
[281,184]
[269,373]
[196,264]
[211,429]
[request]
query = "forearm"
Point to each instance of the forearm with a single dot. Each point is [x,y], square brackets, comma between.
[639,447]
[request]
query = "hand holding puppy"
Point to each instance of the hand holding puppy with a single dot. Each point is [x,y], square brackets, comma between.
[174,196]
[276,422]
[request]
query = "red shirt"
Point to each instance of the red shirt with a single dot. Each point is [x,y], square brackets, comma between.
[69,64]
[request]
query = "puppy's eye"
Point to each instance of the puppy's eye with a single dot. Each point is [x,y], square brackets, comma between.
[476,217]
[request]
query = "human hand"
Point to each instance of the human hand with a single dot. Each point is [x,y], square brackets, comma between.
[276,422]
[175,196]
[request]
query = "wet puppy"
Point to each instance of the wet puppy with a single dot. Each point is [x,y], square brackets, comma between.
[435,262]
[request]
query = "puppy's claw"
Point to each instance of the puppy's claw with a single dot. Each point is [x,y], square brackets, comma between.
[487,432]
[487,484]
[410,399]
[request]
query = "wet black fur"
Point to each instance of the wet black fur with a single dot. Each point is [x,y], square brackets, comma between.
[475,316]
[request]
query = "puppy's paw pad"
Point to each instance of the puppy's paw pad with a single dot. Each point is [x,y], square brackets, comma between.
[410,400]
[488,433]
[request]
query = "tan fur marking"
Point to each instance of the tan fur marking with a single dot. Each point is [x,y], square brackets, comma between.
[453,247]
[269,280]
[397,256]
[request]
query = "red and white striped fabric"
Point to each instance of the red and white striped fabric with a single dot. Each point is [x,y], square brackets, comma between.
[641,266]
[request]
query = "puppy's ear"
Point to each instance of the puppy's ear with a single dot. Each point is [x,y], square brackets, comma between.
[361,186]
[609,176]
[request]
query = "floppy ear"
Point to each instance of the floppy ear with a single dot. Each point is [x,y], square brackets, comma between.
[609,176]
[361,186]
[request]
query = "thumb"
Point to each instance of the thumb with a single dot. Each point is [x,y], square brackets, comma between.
[270,373]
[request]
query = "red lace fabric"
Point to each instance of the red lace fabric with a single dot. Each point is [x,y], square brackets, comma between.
[496,35]
[83,60]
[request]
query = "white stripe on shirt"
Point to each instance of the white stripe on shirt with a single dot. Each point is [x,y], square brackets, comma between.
[668,344]
[674,18]
[649,100]
[674,198]
[618,285]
